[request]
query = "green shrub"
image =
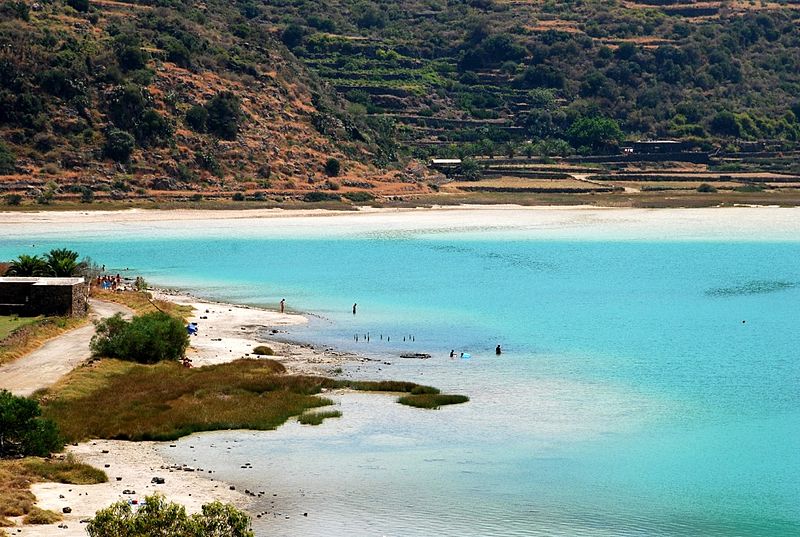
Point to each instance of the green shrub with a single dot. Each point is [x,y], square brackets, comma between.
[333,167]
[23,431]
[8,161]
[87,195]
[119,145]
[224,115]
[238,196]
[13,199]
[156,516]
[197,118]
[705,187]
[263,350]
[359,196]
[313,197]
[146,339]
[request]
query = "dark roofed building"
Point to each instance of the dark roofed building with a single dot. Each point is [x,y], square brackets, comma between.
[31,296]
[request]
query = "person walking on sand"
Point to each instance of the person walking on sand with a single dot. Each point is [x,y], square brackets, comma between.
[354,308]
[283,304]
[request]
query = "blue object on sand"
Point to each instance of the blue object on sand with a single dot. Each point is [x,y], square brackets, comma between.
[466,355]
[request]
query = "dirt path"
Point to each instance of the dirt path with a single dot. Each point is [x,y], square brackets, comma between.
[57,357]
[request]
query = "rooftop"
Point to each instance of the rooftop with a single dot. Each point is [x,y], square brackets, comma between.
[41,280]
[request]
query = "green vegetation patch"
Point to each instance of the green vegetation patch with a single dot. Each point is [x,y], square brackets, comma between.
[41,516]
[165,401]
[9,323]
[316,418]
[263,350]
[432,401]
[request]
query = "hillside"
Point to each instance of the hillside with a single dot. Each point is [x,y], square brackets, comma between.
[107,99]
[250,99]
[488,75]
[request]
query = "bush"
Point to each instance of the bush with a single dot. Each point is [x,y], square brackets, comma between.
[332,167]
[87,195]
[13,199]
[119,145]
[8,161]
[359,196]
[41,516]
[79,5]
[224,115]
[238,196]
[705,187]
[22,430]
[158,517]
[145,339]
[263,350]
[197,118]
[321,196]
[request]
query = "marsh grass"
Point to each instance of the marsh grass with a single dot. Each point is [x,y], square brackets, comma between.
[16,477]
[110,399]
[431,400]
[29,337]
[165,401]
[41,516]
[316,418]
[140,302]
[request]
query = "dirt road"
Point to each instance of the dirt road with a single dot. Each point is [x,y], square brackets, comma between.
[57,357]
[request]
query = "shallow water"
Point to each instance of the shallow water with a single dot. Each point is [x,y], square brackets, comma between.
[647,386]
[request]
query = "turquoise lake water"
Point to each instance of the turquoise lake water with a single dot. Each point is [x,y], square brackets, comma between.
[646,387]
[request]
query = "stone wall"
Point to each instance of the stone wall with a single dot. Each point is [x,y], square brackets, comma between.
[27,299]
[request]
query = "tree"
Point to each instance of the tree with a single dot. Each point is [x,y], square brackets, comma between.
[79,5]
[28,265]
[224,115]
[147,339]
[470,169]
[725,124]
[595,132]
[292,35]
[156,516]
[22,431]
[332,167]
[62,262]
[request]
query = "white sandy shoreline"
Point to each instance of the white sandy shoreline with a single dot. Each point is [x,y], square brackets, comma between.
[556,222]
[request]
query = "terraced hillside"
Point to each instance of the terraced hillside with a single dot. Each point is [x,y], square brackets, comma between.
[125,100]
[506,77]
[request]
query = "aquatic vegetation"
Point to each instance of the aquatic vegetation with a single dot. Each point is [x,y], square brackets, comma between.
[316,418]
[754,287]
[432,401]
[165,401]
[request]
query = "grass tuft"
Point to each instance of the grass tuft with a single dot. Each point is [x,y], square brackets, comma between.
[432,401]
[142,302]
[316,418]
[263,350]
[16,477]
[41,516]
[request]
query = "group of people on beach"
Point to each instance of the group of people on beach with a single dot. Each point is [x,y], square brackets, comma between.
[109,282]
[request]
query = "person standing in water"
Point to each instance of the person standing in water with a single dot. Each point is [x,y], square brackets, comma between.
[354,308]
[497,351]
[452,353]
[283,304]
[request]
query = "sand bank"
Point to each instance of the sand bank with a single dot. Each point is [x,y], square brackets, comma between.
[724,223]
[228,332]
[130,466]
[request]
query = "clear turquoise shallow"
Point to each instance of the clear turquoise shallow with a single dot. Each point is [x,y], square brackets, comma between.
[631,398]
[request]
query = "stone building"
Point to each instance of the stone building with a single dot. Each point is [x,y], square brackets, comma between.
[31,296]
